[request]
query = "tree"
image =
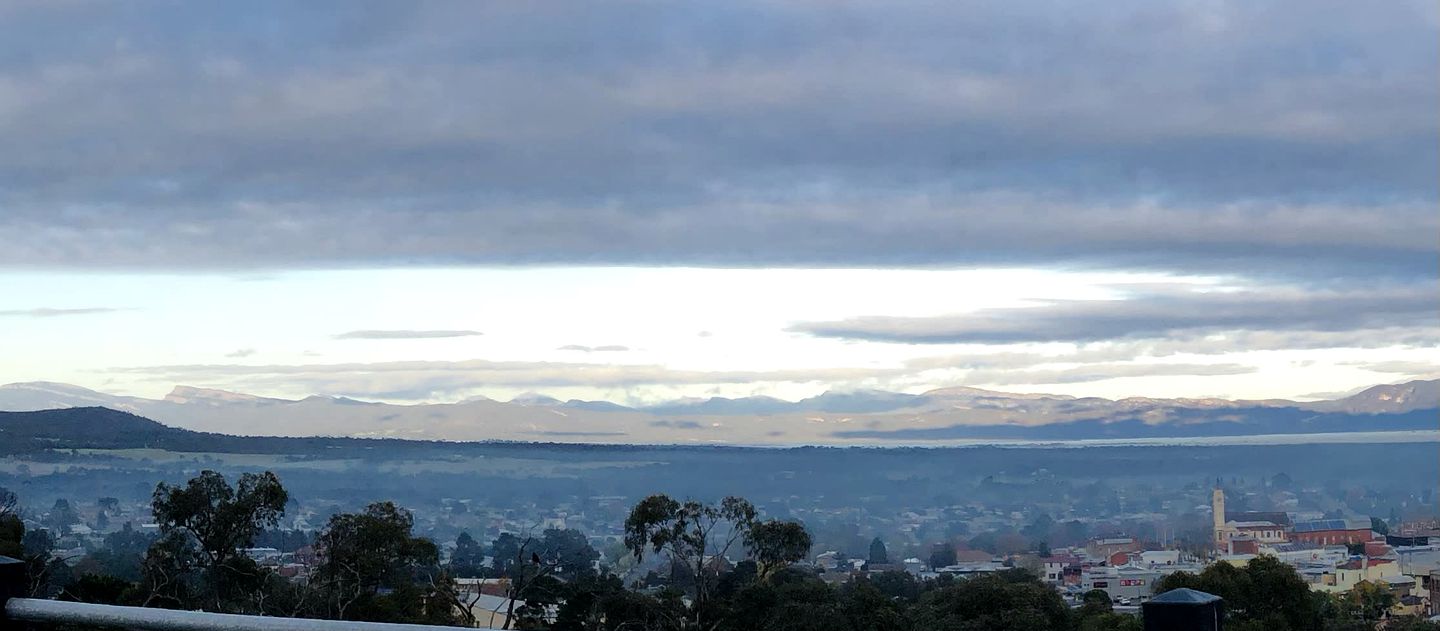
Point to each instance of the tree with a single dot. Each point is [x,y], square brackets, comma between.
[1018,602]
[529,575]
[695,535]
[121,554]
[897,585]
[8,502]
[1266,593]
[878,554]
[791,601]
[34,547]
[1039,528]
[776,544]
[1095,601]
[602,603]
[1368,601]
[505,551]
[221,519]
[869,607]
[204,524]
[96,588]
[942,555]
[61,516]
[468,558]
[1378,525]
[365,552]
[569,551]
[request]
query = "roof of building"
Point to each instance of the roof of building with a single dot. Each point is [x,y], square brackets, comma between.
[1185,596]
[1275,517]
[1254,524]
[1332,524]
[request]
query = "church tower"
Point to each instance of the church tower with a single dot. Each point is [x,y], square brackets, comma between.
[1217,510]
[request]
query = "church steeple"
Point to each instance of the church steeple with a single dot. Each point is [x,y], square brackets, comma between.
[1217,510]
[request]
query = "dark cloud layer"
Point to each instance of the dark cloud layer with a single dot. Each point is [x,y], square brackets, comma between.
[1290,137]
[1155,315]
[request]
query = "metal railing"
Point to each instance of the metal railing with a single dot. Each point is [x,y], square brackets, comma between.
[15,611]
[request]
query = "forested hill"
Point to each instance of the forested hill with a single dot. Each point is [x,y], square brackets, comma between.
[103,428]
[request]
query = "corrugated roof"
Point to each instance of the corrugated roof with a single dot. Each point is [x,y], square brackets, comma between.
[1332,524]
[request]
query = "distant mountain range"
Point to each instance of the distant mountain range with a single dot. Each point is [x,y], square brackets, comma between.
[834,418]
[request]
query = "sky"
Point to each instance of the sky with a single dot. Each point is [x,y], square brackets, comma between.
[637,202]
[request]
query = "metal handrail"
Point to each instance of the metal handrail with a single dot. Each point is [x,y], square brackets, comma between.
[61,612]
[14,609]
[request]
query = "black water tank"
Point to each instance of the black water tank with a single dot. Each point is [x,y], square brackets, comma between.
[1184,610]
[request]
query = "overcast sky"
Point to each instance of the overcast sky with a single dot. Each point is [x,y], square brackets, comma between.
[638,201]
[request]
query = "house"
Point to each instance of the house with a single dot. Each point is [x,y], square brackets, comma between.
[1345,576]
[1054,568]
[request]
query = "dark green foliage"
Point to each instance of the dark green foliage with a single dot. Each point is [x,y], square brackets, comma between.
[468,557]
[896,585]
[790,601]
[121,554]
[870,608]
[372,551]
[12,532]
[693,534]
[1266,592]
[603,604]
[776,544]
[61,515]
[1097,614]
[196,563]
[98,588]
[8,501]
[942,555]
[878,553]
[220,518]
[993,603]
[569,551]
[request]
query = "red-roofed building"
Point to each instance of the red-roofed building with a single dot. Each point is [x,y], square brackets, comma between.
[1329,532]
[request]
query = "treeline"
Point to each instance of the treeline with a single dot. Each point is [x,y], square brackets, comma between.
[370,566]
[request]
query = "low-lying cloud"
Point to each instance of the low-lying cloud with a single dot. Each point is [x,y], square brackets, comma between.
[607,348]
[404,334]
[437,380]
[50,312]
[1156,315]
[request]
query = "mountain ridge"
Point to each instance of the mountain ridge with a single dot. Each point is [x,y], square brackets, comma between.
[837,417]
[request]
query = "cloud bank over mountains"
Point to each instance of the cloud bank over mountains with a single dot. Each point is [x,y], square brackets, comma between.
[833,418]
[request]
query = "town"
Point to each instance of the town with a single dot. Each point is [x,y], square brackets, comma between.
[1124,545]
